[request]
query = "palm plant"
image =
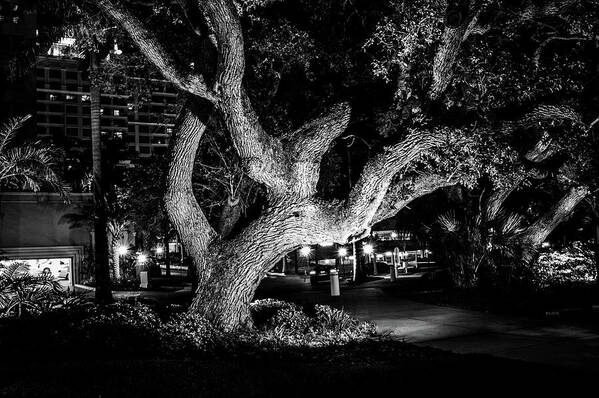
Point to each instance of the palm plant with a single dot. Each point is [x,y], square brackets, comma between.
[27,165]
[22,293]
[480,242]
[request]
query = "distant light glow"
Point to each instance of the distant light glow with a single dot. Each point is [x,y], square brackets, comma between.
[305,251]
[122,250]
[388,254]
[342,252]
[159,250]
[545,245]
[142,258]
[368,249]
[394,235]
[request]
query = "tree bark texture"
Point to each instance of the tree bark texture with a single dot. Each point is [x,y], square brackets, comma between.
[230,266]
[538,232]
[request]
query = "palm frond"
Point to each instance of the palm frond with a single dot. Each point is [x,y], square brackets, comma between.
[511,224]
[449,222]
[8,130]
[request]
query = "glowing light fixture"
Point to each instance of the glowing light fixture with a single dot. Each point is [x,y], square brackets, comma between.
[305,251]
[368,249]
[142,258]
[122,250]
[116,49]
[159,250]
[393,235]
[342,252]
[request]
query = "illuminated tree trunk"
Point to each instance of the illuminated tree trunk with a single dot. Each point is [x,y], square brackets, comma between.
[103,293]
[229,267]
[538,232]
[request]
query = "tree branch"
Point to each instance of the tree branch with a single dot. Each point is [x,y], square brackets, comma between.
[370,190]
[537,232]
[155,51]
[308,144]
[183,209]
[404,192]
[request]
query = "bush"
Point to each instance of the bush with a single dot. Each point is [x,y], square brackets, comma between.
[186,332]
[22,294]
[137,329]
[279,323]
[571,265]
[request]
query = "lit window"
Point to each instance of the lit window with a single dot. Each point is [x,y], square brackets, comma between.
[101,111]
[169,130]
[70,97]
[119,134]
[53,97]
[85,98]
[117,112]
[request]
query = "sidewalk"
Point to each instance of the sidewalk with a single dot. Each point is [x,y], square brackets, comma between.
[452,329]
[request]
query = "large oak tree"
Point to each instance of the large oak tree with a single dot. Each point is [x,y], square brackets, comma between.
[288,164]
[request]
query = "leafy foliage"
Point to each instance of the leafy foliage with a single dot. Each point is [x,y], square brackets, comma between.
[569,265]
[22,294]
[28,165]
[475,245]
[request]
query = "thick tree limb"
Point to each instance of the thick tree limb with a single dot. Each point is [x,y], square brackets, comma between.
[404,192]
[182,207]
[370,190]
[537,232]
[308,144]
[224,21]
[155,51]
[445,59]
[453,37]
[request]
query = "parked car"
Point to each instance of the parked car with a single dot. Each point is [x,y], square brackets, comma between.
[320,273]
[381,268]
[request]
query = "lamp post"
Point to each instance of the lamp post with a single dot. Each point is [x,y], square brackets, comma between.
[368,250]
[305,252]
[342,252]
[120,251]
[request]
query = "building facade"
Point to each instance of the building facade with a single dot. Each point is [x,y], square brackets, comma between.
[35,228]
[63,108]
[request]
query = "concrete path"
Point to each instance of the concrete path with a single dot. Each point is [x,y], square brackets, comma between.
[452,329]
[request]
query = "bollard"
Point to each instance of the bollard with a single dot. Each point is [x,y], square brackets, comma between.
[143,277]
[334,276]
[392,273]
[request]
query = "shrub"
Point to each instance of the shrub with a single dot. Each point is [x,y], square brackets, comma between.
[280,323]
[186,332]
[571,264]
[22,294]
[119,328]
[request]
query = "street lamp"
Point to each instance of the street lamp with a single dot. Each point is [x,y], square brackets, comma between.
[142,258]
[122,250]
[368,249]
[342,252]
[305,251]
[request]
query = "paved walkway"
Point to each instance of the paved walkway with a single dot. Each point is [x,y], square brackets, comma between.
[452,329]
